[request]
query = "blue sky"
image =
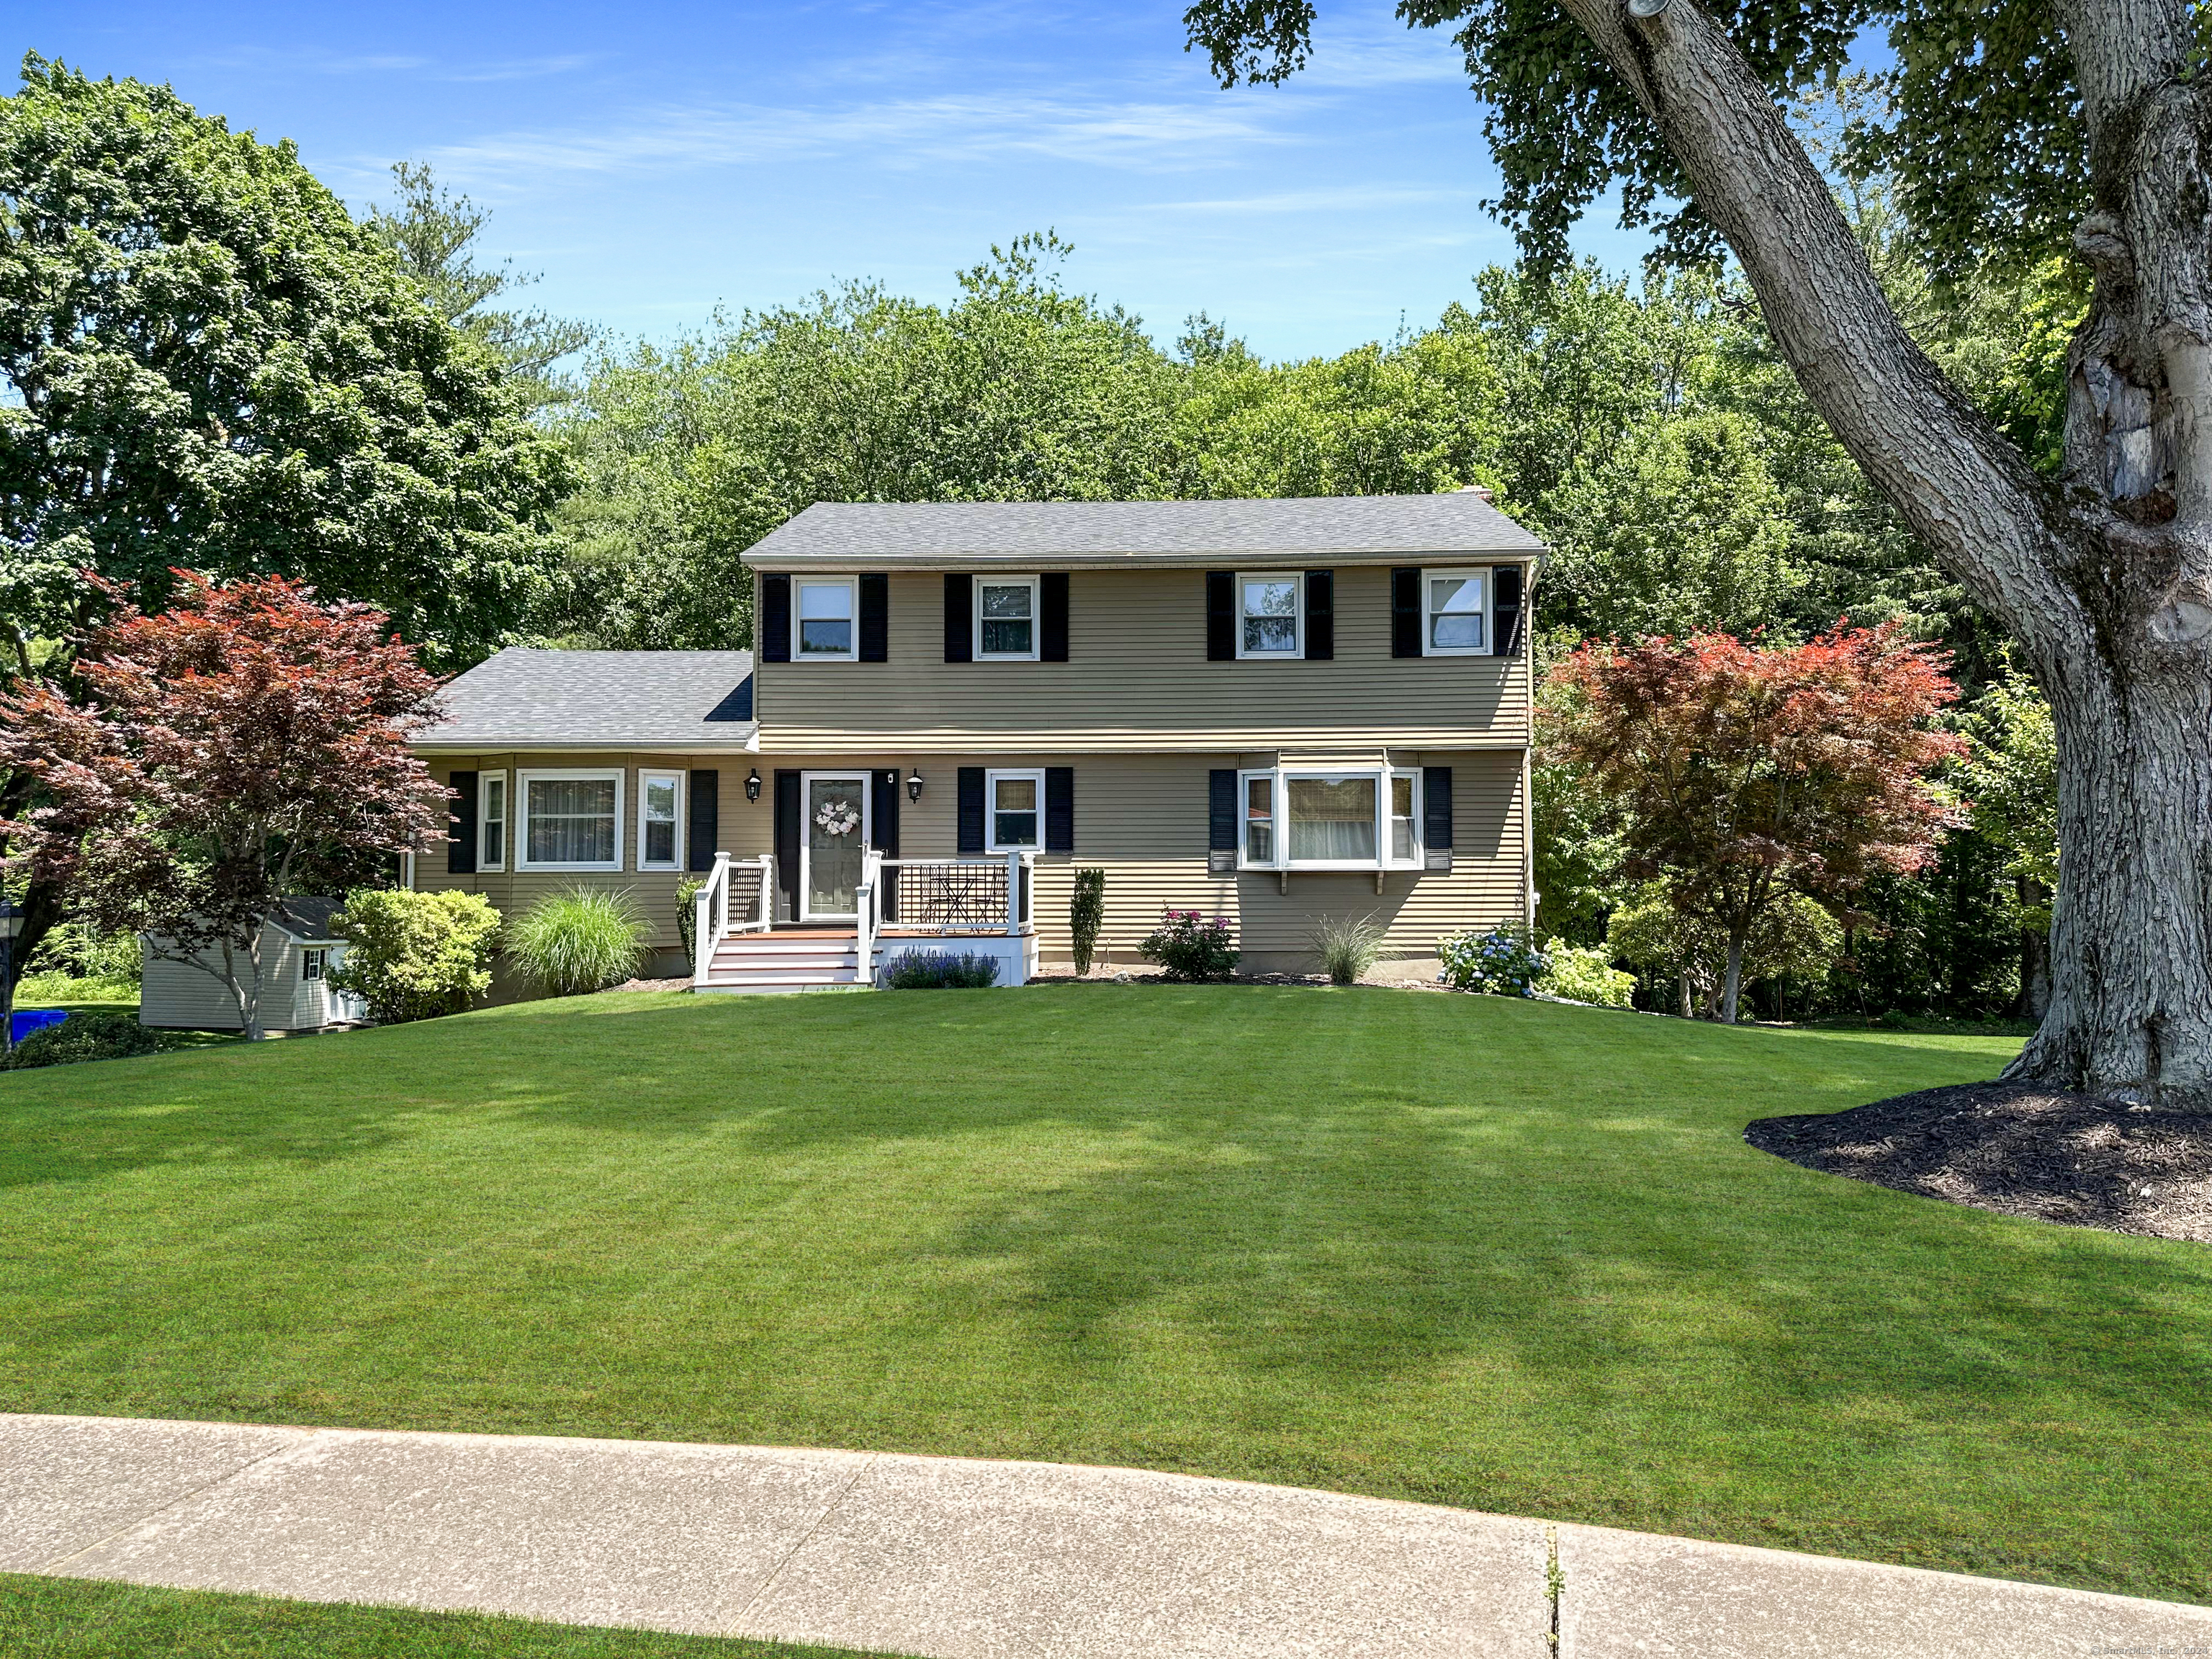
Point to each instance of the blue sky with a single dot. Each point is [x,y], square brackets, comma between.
[654,161]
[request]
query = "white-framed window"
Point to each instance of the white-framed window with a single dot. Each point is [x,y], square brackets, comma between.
[312,963]
[1455,613]
[823,625]
[660,820]
[569,820]
[1007,618]
[1353,819]
[491,821]
[1013,810]
[1271,613]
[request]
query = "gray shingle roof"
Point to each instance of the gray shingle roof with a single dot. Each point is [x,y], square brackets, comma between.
[306,918]
[524,698]
[1350,528]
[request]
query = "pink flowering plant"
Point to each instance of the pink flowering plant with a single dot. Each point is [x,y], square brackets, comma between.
[1191,946]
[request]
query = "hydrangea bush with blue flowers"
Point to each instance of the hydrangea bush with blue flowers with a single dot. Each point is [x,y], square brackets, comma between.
[1501,963]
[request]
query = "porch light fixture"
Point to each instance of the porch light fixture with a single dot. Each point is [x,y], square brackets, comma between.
[752,784]
[1647,8]
[914,785]
[11,924]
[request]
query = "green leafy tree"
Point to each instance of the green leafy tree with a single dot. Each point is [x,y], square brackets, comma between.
[1680,952]
[434,233]
[2010,777]
[205,364]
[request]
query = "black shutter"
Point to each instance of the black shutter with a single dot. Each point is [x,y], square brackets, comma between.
[787,845]
[1404,613]
[1052,635]
[1437,815]
[461,825]
[1060,809]
[702,826]
[1321,616]
[1505,611]
[971,811]
[775,640]
[1221,821]
[875,617]
[883,812]
[1220,615]
[959,618]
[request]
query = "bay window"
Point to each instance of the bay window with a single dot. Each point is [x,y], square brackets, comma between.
[1340,819]
[570,820]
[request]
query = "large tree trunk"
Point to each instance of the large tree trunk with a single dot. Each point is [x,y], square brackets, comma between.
[2131,1009]
[1732,982]
[2106,580]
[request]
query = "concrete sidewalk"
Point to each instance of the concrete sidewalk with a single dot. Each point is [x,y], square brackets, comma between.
[948,1558]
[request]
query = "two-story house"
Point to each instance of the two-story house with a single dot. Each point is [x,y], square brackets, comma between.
[1268,710]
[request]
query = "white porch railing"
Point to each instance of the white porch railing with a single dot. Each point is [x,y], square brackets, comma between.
[865,904]
[710,913]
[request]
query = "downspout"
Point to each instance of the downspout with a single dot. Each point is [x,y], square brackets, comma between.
[1527,749]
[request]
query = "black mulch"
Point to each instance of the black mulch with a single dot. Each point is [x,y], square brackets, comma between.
[2020,1149]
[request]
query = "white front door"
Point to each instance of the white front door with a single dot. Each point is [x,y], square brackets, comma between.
[830,843]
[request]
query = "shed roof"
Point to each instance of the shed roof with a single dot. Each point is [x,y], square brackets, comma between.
[1347,529]
[527,698]
[306,918]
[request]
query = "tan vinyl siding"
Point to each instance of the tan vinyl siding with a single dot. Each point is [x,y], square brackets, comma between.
[1138,680]
[1142,819]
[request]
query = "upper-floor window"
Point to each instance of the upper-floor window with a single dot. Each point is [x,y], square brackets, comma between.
[1271,614]
[1455,619]
[1007,618]
[491,821]
[1359,819]
[660,820]
[822,619]
[571,820]
[1016,809]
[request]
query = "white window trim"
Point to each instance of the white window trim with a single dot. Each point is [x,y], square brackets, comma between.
[1036,587]
[644,777]
[851,587]
[1482,573]
[1298,651]
[522,859]
[485,863]
[991,809]
[1282,775]
[319,957]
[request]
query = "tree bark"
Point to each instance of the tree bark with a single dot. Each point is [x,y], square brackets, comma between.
[2107,579]
[1732,984]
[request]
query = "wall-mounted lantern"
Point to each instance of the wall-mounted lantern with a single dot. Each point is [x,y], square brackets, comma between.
[752,784]
[914,785]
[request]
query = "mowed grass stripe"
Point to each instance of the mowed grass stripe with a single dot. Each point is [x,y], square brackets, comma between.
[1508,1255]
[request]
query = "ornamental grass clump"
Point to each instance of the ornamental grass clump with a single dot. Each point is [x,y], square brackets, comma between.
[1347,946]
[940,971]
[1500,962]
[1190,947]
[582,941]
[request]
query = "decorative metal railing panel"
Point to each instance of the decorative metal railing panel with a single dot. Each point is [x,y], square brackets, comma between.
[964,895]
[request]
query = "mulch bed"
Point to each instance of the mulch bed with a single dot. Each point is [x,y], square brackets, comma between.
[2020,1149]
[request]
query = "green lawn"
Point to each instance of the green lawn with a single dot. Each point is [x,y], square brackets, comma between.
[85,1619]
[1503,1254]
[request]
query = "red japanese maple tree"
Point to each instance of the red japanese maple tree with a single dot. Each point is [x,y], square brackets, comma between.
[1739,774]
[221,745]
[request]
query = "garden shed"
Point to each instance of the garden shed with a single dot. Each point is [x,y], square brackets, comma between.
[298,951]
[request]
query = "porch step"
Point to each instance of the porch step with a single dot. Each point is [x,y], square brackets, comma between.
[770,962]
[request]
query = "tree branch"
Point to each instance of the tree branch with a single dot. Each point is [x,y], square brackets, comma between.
[1964,489]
